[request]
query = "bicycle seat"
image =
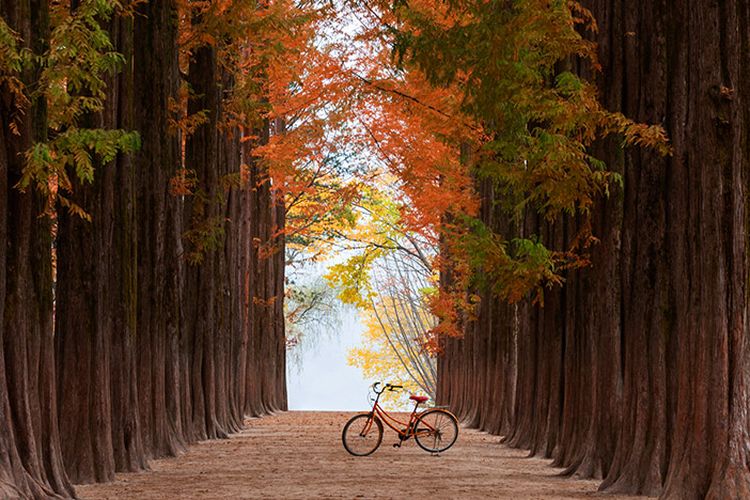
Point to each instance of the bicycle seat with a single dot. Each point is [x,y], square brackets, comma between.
[418,399]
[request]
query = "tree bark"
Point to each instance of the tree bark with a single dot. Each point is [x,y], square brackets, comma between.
[27,392]
[96,306]
[654,347]
[709,122]
[160,361]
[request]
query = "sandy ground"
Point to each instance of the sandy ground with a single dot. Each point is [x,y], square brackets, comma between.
[299,455]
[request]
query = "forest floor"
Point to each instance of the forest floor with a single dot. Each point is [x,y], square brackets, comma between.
[299,455]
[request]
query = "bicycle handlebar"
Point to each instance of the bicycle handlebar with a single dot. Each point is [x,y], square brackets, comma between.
[389,387]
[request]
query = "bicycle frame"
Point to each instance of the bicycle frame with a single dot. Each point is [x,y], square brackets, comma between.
[407,429]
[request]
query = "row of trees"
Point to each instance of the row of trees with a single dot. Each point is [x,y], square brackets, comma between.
[635,370]
[142,265]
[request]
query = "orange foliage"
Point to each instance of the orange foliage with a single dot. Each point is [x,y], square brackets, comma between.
[343,117]
[339,95]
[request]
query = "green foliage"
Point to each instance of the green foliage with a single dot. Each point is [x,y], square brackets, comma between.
[207,232]
[540,119]
[80,55]
[510,58]
[10,56]
[511,268]
[72,84]
[48,163]
[12,60]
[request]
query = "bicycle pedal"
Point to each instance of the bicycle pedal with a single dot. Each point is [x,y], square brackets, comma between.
[397,445]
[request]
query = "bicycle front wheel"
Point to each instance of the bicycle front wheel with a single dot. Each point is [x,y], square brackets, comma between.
[362,434]
[437,430]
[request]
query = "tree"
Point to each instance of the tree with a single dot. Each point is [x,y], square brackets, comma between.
[399,324]
[310,306]
[122,358]
[685,280]
[634,342]
[30,442]
[95,328]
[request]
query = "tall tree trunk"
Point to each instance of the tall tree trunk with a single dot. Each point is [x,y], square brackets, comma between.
[278,375]
[28,391]
[201,226]
[708,222]
[159,214]
[684,429]
[127,443]
[13,478]
[96,306]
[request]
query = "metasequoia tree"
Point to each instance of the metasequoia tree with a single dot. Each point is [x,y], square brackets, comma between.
[30,444]
[95,322]
[634,370]
[685,286]
[163,333]
[162,359]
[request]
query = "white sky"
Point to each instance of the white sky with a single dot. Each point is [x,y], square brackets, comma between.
[318,376]
[323,380]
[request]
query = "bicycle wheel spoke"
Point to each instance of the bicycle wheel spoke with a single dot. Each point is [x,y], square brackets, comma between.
[362,435]
[437,432]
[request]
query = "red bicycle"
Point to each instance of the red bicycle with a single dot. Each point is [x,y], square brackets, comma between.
[435,429]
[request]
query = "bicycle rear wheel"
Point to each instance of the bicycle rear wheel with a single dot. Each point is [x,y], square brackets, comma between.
[362,434]
[437,430]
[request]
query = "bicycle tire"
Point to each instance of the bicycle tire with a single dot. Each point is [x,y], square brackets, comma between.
[350,446]
[423,434]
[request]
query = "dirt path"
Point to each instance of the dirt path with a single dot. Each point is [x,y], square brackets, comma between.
[299,455]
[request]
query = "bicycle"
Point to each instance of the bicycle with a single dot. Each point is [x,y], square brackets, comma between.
[434,429]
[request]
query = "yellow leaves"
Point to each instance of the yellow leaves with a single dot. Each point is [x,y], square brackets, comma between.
[378,360]
[352,278]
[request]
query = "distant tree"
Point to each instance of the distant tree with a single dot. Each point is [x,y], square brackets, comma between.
[312,309]
[399,323]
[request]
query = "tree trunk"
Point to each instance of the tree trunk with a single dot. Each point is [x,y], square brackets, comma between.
[27,393]
[160,362]
[202,157]
[709,123]
[654,346]
[96,306]
[127,441]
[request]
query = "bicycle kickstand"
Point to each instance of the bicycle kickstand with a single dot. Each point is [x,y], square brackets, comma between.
[400,442]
